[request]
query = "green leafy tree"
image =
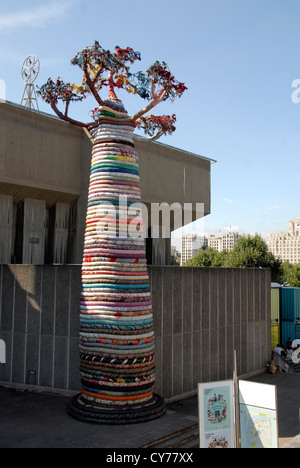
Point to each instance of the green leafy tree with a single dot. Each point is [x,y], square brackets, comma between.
[174,261]
[294,276]
[287,268]
[208,257]
[248,252]
[252,251]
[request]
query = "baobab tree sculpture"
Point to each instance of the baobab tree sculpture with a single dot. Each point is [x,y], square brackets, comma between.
[117,361]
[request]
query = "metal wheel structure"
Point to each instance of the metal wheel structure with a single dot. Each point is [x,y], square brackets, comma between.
[29,73]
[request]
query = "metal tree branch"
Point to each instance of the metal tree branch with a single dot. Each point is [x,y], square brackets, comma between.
[68,119]
[91,84]
[156,99]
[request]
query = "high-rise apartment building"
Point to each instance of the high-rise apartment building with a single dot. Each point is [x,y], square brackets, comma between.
[191,244]
[213,242]
[286,245]
[224,242]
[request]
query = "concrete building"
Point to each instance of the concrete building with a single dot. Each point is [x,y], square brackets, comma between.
[44,178]
[224,242]
[213,242]
[191,244]
[286,245]
[229,239]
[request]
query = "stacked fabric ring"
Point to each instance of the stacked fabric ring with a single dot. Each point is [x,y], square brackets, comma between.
[116,336]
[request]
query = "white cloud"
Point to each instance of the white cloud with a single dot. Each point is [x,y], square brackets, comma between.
[37,17]
[266,209]
[230,201]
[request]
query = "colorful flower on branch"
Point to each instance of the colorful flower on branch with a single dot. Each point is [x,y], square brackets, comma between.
[141,84]
[127,55]
[51,92]
[153,125]
[95,113]
[78,89]
[95,61]
[160,74]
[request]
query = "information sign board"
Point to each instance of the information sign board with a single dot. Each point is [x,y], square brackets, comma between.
[216,414]
[258,415]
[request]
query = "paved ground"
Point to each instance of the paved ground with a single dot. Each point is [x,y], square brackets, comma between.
[40,420]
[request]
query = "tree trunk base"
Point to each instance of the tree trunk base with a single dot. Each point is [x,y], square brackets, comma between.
[93,413]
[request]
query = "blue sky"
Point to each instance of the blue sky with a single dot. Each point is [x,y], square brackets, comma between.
[238,59]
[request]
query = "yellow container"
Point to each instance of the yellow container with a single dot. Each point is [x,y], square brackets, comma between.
[275,333]
[275,305]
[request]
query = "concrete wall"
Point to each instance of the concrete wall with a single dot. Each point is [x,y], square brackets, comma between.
[40,153]
[43,158]
[39,324]
[200,316]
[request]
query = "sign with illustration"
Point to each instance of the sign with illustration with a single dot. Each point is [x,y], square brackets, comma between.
[216,411]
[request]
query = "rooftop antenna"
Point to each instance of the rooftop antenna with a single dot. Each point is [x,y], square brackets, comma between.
[29,72]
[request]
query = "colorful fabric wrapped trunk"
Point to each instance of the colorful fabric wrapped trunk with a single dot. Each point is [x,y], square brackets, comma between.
[117,359]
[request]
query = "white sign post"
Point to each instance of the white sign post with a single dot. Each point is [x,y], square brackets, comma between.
[258,415]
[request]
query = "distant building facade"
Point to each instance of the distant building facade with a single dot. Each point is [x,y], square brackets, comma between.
[225,242]
[175,256]
[191,244]
[286,245]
